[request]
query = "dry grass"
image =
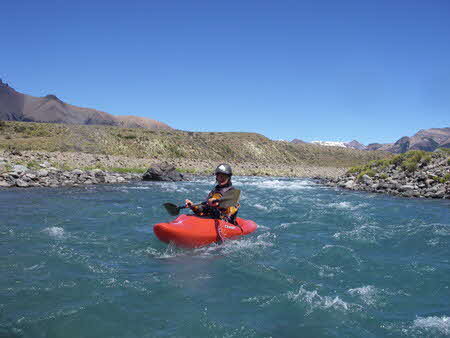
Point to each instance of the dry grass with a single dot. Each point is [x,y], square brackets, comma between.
[176,144]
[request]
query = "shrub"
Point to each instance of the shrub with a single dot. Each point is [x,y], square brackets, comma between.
[409,165]
[383,176]
[20,129]
[426,159]
[127,137]
[397,160]
[415,155]
[32,165]
[445,150]
[368,172]
[381,164]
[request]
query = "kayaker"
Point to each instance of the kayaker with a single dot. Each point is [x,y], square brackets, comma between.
[210,207]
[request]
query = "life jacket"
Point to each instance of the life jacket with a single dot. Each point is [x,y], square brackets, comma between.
[217,192]
[218,189]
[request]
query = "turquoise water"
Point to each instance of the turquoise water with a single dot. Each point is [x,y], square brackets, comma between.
[83,262]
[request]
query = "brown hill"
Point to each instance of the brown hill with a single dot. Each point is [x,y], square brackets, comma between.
[15,106]
[425,139]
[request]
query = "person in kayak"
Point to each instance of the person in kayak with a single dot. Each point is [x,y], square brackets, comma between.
[210,207]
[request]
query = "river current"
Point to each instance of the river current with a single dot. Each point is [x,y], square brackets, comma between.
[84,262]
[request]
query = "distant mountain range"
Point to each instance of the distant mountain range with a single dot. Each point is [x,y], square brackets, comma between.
[428,140]
[15,106]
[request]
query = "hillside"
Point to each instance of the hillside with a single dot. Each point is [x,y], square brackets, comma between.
[255,150]
[15,106]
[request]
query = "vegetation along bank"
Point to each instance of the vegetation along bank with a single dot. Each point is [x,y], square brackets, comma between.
[412,174]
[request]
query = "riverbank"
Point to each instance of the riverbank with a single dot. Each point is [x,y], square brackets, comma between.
[413,174]
[53,169]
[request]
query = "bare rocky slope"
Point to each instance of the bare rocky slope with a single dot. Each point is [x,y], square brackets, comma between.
[15,106]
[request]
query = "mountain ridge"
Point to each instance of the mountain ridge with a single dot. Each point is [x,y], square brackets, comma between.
[16,106]
[425,139]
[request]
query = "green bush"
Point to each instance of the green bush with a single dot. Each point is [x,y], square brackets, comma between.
[410,165]
[19,129]
[127,137]
[445,150]
[368,172]
[354,170]
[397,160]
[32,165]
[426,159]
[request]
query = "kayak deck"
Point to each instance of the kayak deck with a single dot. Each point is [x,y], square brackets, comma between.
[192,231]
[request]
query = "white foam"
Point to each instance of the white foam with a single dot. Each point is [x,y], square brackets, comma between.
[55,232]
[436,324]
[261,241]
[366,293]
[277,184]
[347,205]
[315,300]
[364,233]
[287,225]
[35,267]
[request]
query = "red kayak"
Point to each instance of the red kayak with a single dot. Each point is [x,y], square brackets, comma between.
[190,231]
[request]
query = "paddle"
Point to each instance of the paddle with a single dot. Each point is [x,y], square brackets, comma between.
[228,199]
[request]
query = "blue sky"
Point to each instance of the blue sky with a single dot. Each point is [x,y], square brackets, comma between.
[316,70]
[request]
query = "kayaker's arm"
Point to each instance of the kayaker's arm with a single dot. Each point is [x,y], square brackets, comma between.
[196,208]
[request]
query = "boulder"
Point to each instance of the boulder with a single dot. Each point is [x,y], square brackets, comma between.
[21,183]
[366,179]
[162,172]
[42,173]
[349,184]
[5,184]
[406,187]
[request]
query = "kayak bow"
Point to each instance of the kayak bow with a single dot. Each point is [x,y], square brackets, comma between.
[190,231]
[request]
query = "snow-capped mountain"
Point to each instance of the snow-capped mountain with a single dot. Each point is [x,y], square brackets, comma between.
[330,143]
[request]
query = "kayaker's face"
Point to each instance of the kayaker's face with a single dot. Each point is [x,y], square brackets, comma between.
[222,179]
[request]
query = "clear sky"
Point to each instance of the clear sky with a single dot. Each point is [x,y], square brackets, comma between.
[316,70]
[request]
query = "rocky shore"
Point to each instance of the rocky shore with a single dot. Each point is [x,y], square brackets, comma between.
[53,169]
[414,174]
[22,177]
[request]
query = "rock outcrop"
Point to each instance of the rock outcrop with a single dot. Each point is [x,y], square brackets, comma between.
[22,177]
[163,172]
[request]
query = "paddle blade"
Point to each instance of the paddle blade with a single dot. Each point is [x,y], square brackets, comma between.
[230,198]
[172,209]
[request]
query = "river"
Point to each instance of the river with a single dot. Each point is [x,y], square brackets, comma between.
[84,262]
